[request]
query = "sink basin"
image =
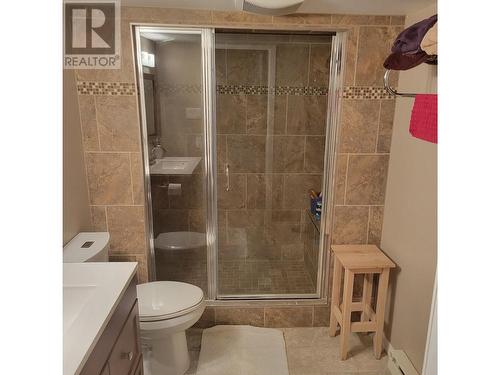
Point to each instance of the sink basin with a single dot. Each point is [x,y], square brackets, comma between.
[175,165]
[74,299]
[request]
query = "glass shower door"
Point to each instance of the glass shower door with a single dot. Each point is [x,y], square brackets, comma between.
[271,121]
[172,67]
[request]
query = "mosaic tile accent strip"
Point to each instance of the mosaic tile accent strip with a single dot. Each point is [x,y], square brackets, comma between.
[278,90]
[371,92]
[105,88]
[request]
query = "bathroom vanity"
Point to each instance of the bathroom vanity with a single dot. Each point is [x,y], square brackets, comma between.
[100,319]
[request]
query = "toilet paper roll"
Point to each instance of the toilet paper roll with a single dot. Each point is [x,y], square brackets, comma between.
[174,189]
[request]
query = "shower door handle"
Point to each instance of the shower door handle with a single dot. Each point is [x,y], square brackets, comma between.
[227,177]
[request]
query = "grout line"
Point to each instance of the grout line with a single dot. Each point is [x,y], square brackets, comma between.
[131,178]
[97,123]
[346,177]
[368,224]
[356,55]
[106,217]
[309,66]
[119,205]
[378,125]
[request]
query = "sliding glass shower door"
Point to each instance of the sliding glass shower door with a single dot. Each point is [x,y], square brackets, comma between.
[271,121]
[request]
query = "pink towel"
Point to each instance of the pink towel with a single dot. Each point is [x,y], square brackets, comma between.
[423,123]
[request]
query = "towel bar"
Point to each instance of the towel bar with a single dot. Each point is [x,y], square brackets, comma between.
[391,90]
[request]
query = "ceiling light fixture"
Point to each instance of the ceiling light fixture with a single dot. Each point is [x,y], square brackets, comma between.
[269,7]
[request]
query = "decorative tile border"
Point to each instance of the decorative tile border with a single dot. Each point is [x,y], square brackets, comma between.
[264,90]
[105,88]
[371,92]
[125,88]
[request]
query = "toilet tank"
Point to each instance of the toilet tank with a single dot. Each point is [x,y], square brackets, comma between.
[87,247]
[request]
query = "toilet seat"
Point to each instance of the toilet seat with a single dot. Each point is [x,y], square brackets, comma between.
[164,300]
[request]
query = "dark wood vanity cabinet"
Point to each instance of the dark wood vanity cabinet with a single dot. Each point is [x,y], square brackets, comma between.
[118,351]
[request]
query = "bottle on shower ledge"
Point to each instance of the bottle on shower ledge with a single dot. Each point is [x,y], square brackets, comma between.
[157,152]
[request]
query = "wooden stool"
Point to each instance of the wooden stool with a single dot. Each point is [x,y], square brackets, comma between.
[359,259]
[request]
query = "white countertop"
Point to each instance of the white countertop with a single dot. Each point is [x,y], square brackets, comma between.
[90,296]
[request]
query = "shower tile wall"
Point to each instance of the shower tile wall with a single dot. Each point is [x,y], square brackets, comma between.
[363,81]
[273,164]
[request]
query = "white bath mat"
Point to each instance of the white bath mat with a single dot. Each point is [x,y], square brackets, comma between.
[242,350]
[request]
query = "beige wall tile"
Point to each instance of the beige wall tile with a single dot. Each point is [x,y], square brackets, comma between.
[292,64]
[126,229]
[296,189]
[197,220]
[321,316]
[350,224]
[183,16]
[117,123]
[289,216]
[248,316]
[234,198]
[385,126]
[256,114]
[170,220]
[288,316]
[340,178]
[398,20]
[373,48]
[319,70]
[142,267]
[90,139]
[98,218]
[109,179]
[220,17]
[280,109]
[136,167]
[264,191]
[354,19]
[246,153]
[247,67]
[221,66]
[315,154]
[231,114]
[351,56]
[207,319]
[375,227]
[221,153]
[306,115]
[303,19]
[245,218]
[288,153]
[359,124]
[366,179]
[126,71]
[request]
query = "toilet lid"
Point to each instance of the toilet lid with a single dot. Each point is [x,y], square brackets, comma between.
[160,300]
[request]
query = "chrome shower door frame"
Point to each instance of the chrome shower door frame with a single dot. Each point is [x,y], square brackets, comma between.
[207,36]
[339,40]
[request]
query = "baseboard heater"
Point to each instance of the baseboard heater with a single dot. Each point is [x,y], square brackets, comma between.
[399,363]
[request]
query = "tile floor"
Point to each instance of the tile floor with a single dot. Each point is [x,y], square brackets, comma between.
[311,351]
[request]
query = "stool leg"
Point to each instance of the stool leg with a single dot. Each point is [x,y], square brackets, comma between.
[367,295]
[383,284]
[345,325]
[337,278]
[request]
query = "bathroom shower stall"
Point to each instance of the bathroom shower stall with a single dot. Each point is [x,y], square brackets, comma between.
[238,128]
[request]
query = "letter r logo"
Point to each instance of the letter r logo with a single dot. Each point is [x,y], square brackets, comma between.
[90,28]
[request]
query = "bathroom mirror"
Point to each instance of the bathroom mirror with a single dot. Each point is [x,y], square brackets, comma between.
[151,104]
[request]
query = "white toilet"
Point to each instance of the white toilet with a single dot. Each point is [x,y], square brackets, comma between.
[166,310]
